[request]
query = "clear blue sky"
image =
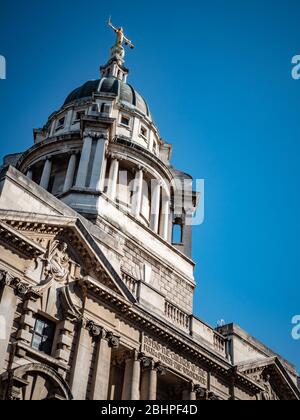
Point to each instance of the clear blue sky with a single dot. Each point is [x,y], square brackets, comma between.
[217,75]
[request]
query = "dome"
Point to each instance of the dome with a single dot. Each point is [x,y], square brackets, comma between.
[112,86]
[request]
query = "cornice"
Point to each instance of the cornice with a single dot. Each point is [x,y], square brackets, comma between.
[17,240]
[139,152]
[46,144]
[171,336]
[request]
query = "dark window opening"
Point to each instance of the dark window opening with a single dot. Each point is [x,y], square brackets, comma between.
[144,131]
[105,109]
[60,123]
[125,121]
[51,183]
[79,115]
[37,173]
[43,335]
[177,233]
[155,148]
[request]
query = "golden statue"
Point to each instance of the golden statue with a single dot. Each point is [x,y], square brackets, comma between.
[121,38]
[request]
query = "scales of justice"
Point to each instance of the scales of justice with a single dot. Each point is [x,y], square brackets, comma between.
[118,49]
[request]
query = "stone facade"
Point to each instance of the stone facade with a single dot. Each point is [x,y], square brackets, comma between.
[96,296]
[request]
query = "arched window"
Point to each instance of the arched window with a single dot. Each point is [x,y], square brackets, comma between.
[177,232]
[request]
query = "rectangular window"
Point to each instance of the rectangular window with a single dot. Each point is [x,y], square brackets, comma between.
[144,132]
[155,148]
[78,116]
[60,123]
[105,109]
[43,335]
[125,120]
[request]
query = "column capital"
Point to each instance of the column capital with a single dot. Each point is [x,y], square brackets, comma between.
[200,391]
[95,330]
[86,134]
[113,340]
[74,152]
[5,278]
[141,168]
[161,369]
[158,182]
[114,156]
[95,135]
[147,362]
[98,332]
[15,283]
[132,355]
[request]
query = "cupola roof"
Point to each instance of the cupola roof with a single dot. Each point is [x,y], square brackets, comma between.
[111,86]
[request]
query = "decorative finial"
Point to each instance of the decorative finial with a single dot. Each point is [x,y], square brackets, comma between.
[121,38]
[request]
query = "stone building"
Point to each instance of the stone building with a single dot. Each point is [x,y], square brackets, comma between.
[96,275]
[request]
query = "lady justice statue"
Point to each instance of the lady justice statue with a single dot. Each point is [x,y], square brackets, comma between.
[118,50]
[121,38]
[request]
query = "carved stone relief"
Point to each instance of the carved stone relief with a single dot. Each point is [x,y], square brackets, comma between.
[57,262]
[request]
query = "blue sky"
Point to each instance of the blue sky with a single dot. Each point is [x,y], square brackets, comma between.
[217,75]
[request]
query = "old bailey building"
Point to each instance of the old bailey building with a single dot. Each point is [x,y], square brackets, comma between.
[96,293]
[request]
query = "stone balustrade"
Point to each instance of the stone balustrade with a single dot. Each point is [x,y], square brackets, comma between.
[130,282]
[177,316]
[206,334]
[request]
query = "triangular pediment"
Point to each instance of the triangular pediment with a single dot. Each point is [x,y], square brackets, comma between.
[40,236]
[273,377]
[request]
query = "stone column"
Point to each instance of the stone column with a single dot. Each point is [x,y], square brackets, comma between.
[131,386]
[52,130]
[149,382]
[137,193]
[46,174]
[8,304]
[155,205]
[70,173]
[98,164]
[29,173]
[81,362]
[165,218]
[113,179]
[103,175]
[193,396]
[68,120]
[84,161]
[101,377]
[190,394]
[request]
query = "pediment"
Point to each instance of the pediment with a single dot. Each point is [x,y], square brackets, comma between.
[62,244]
[273,378]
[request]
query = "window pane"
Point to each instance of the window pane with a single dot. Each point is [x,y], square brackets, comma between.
[125,121]
[177,234]
[36,342]
[43,336]
[49,330]
[39,326]
[47,347]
